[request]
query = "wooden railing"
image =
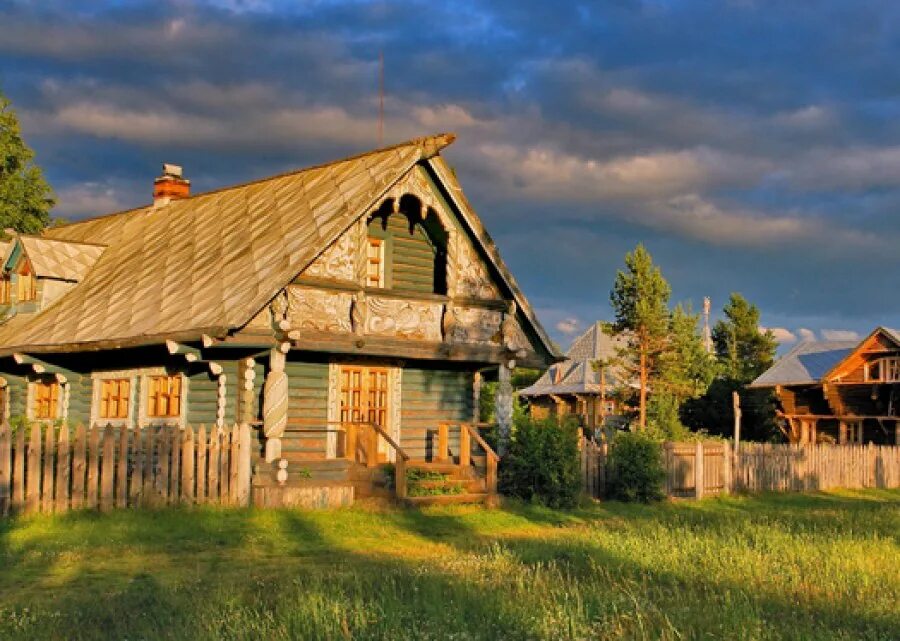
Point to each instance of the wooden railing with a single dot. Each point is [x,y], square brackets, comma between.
[45,468]
[468,432]
[362,438]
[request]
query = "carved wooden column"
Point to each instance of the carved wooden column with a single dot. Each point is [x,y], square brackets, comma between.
[476,397]
[275,401]
[247,385]
[503,407]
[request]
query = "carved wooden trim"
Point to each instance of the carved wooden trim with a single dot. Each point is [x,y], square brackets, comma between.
[334,407]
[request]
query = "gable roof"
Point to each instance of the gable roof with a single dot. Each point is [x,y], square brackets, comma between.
[60,259]
[807,363]
[209,263]
[576,375]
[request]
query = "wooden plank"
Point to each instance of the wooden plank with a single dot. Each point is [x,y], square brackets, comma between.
[465,447]
[245,446]
[33,472]
[175,449]
[122,469]
[148,492]
[699,479]
[63,469]
[187,466]
[201,465]
[162,479]
[136,476]
[214,463]
[93,471]
[443,443]
[18,471]
[5,469]
[107,470]
[79,467]
[234,465]
[49,462]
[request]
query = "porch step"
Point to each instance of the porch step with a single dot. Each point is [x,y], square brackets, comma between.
[449,499]
[430,466]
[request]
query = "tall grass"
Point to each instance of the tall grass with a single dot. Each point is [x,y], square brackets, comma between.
[775,567]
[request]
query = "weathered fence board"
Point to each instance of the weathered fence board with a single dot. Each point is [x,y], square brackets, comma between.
[56,469]
[694,470]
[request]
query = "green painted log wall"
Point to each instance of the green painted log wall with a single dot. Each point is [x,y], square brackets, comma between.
[307,410]
[410,257]
[430,396]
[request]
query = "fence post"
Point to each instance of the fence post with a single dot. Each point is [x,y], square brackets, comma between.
[5,468]
[726,468]
[33,480]
[243,479]
[63,467]
[698,471]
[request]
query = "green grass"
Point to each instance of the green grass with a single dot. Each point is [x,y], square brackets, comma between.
[821,566]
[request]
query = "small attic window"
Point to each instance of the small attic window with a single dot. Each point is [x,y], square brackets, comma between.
[375,262]
[27,289]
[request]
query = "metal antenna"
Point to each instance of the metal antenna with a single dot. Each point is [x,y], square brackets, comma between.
[381,98]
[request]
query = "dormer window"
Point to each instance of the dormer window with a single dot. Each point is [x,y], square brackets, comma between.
[375,262]
[26,289]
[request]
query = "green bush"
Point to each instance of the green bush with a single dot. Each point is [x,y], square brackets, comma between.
[542,463]
[635,468]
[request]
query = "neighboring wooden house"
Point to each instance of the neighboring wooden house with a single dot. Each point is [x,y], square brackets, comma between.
[845,392]
[346,310]
[585,385]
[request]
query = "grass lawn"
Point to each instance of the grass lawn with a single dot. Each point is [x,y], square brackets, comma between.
[823,566]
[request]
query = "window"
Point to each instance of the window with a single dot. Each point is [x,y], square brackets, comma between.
[5,290]
[26,284]
[46,399]
[885,370]
[375,263]
[164,396]
[115,394]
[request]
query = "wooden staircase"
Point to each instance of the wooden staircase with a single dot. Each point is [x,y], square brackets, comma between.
[431,483]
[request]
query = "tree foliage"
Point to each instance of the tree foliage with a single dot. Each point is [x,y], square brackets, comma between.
[743,352]
[25,196]
[640,302]
[636,471]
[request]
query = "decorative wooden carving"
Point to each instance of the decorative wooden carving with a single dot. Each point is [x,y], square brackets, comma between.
[275,402]
[395,389]
[512,335]
[319,310]
[474,325]
[358,313]
[472,279]
[503,406]
[339,260]
[334,408]
[404,319]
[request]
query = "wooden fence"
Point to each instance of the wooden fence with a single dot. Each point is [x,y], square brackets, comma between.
[54,469]
[694,470]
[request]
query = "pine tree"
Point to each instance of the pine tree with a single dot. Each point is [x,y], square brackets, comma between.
[742,348]
[640,302]
[25,197]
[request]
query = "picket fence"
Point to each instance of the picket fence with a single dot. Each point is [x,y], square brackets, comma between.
[58,468]
[694,470]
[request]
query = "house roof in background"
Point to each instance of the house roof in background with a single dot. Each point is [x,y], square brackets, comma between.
[576,374]
[807,363]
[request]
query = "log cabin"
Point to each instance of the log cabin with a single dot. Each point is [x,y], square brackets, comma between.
[586,385]
[348,312]
[844,392]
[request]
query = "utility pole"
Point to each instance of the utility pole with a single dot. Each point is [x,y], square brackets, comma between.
[707,334]
[736,403]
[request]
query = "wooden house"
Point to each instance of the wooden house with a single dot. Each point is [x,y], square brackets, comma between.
[845,392]
[346,311]
[585,385]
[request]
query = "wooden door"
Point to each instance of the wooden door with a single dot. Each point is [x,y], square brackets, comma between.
[365,399]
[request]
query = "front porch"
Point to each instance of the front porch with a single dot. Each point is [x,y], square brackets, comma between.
[336,463]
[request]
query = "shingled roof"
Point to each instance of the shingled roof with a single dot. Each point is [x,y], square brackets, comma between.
[576,374]
[60,259]
[209,263]
[806,363]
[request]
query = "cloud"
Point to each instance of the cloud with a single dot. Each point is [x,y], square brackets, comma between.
[806,334]
[568,326]
[88,199]
[840,335]
[781,334]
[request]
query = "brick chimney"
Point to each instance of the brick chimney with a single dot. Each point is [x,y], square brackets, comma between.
[170,186]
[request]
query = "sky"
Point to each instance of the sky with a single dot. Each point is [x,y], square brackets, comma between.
[752,146]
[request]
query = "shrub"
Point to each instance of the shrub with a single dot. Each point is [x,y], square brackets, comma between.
[636,471]
[542,463]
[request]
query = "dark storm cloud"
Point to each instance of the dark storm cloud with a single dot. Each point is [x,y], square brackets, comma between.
[754,146]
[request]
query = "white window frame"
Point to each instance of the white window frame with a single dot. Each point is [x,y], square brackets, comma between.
[97,392]
[886,364]
[62,404]
[143,419]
